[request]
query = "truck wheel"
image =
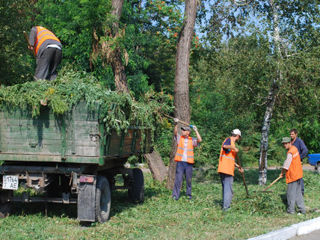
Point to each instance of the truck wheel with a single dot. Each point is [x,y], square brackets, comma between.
[103,199]
[136,188]
[318,167]
[5,210]
[5,207]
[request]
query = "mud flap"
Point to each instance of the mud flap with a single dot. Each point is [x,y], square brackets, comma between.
[86,198]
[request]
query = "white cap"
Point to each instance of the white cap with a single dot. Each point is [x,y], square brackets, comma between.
[236,132]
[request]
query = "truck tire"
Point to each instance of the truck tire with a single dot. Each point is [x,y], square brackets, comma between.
[103,199]
[136,188]
[5,210]
[5,206]
[318,167]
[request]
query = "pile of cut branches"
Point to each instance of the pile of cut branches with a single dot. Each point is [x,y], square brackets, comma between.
[117,110]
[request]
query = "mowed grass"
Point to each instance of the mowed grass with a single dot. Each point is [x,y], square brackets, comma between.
[160,217]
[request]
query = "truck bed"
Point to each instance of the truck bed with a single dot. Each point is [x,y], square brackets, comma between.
[75,137]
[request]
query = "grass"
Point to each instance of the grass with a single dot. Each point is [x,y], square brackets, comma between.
[160,217]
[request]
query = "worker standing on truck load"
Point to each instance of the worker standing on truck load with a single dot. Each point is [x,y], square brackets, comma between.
[47,50]
[184,158]
[303,150]
[292,168]
[228,155]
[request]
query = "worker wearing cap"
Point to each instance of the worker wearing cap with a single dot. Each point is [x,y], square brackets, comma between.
[292,168]
[227,163]
[184,158]
[48,51]
[303,150]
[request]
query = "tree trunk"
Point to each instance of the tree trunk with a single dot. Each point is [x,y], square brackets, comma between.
[120,77]
[118,68]
[181,88]
[265,133]
[156,166]
[263,160]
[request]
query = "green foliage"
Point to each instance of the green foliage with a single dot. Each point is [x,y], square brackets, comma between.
[163,140]
[152,29]
[310,134]
[75,23]
[230,71]
[16,60]
[117,110]
[238,63]
[148,37]
[262,203]
[138,84]
[228,89]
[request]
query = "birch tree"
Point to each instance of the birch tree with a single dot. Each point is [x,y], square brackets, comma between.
[271,99]
[289,24]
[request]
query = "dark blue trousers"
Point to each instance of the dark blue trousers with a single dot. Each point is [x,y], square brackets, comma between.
[181,169]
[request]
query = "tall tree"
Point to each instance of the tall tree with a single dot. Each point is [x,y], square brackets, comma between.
[114,54]
[290,29]
[181,87]
[263,160]
[289,24]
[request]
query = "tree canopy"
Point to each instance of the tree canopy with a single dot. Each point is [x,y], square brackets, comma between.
[233,62]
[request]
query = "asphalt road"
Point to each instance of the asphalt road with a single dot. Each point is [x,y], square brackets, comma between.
[311,236]
[305,166]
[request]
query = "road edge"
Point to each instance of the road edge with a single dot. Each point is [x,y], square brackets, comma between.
[291,231]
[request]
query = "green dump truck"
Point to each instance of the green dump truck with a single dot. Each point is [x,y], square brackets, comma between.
[68,159]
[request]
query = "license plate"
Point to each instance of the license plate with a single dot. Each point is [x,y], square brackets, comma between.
[10,182]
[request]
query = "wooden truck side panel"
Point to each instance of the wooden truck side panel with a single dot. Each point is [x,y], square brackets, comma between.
[76,137]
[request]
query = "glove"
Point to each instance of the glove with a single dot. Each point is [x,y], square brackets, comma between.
[194,127]
[176,120]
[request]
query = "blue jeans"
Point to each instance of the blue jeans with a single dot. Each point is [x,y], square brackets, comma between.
[227,192]
[181,169]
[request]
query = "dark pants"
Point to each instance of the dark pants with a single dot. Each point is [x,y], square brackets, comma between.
[227,192]
[47,64]
[181,169]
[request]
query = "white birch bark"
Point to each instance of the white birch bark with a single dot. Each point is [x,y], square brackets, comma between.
[263,160]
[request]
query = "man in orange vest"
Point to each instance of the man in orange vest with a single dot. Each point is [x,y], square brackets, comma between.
[184,158]
[227,163]
[292,168]
[48,51]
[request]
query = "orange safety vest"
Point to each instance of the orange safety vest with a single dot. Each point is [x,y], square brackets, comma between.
[227,160]
[179,153]
[43,34]
[295,171]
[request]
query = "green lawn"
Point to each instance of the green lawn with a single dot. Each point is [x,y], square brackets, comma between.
[160,217]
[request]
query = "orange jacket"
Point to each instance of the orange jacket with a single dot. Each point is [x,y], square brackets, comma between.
[227,160]
[179,153]
[43,34]
[295,171]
